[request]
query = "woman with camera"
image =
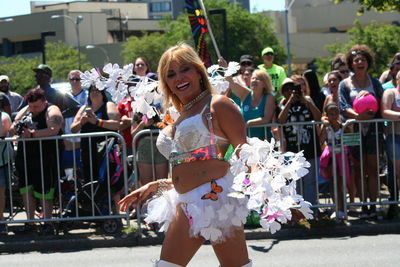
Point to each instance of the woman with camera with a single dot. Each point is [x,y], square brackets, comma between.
[296,107]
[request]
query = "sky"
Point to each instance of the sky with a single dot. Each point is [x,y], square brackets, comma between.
[11,8]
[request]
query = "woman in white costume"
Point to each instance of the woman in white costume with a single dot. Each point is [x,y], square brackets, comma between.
[198,208]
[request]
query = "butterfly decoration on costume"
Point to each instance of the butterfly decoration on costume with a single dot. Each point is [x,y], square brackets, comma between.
[215,189]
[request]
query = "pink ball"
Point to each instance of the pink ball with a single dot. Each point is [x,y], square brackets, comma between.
[367,102]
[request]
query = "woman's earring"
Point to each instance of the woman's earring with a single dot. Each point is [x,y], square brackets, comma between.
[201,84]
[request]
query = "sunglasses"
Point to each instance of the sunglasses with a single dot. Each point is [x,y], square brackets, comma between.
[75,79]
[356,52]
[269,54]
[246,63]
[344,71]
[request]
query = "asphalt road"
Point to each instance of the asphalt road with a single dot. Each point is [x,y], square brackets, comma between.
[378,250]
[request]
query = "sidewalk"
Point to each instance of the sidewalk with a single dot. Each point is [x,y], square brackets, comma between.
[89,238]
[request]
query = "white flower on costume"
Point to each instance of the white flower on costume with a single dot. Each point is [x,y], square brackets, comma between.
[270,181]
[119,82]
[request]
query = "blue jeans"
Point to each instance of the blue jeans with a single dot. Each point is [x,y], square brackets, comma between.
[307,185]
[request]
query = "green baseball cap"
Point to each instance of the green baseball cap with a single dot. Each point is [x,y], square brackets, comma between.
[267,50]
[43,68]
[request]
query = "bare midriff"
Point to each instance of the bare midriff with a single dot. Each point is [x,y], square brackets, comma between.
[188,176]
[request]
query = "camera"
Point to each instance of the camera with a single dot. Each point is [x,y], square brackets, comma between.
[297,89]
[25,122]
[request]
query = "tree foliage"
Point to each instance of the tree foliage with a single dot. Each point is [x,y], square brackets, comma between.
[383,39]
[247,34]
[60,57]
[379,5]
[63,58]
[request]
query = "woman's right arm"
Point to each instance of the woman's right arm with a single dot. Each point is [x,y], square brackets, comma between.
[78,121]
[237,88]
[144,192]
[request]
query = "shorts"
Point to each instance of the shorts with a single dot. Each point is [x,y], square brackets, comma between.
[144,152]
[4,175]
[43,186]
[368,143]
[211,219]
[389,146]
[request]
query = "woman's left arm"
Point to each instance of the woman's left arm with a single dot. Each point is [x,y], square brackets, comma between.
[229,120]
[269,113]
[113,118]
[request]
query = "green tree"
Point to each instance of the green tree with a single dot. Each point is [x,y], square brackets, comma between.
[19,70]
[60,57]
[63,58]
[379,5]
[383,39]
[247,34]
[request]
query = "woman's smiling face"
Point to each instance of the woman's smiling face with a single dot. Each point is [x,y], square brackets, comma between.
[184,81]
[360,63]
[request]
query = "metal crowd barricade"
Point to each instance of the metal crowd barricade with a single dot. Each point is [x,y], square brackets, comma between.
[382,128]
[94,212]
[152,133]
[324,200]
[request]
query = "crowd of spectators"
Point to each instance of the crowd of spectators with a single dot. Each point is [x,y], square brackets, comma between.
[264,94]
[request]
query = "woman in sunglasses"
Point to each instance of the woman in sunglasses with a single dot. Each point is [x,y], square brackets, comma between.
[354,91]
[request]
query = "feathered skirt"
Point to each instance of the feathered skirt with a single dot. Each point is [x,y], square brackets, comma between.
[211,213]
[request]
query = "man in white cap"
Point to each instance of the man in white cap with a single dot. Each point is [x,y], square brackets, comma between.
[277,73]
[65,102]
[14,98]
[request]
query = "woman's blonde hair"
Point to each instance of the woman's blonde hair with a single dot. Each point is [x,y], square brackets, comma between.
[265,79]
[181,54]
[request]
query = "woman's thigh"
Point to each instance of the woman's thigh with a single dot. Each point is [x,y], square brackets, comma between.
[178,247]
[233,251]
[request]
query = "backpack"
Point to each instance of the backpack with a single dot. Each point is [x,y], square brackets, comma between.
[112,162]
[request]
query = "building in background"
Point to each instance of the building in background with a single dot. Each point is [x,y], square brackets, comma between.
[315,23]
[104,24]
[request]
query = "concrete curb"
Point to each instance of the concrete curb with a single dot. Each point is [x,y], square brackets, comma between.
[18,244]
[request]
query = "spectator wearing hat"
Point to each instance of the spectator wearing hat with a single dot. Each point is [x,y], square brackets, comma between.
[14,98]
[65,102]
[277,73]
[297,107]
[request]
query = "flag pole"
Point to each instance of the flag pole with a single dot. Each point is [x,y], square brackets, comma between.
[209,29]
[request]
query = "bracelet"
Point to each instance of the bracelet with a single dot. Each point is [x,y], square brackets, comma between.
[162,186]
[101,122]
[97,122]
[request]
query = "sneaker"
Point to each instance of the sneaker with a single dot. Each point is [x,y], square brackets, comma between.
[372,212]
[47,229]
[28,228]
[341,215]
[3,229]
[364,212]
[393,212]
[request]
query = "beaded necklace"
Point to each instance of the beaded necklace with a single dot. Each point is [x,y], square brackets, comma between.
[189,105]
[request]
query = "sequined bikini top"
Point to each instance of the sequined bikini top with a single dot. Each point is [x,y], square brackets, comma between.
[193,141]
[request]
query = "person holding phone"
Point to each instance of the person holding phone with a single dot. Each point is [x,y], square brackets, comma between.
[297,107]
